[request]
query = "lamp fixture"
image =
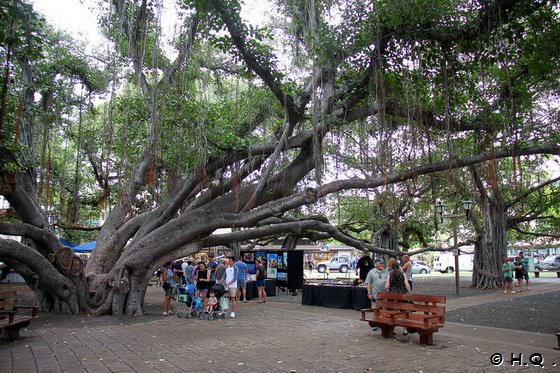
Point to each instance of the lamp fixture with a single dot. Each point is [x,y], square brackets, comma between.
[467,206]
[440,208]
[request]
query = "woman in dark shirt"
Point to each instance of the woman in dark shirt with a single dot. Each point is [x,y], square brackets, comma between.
[202,280]
[397,281]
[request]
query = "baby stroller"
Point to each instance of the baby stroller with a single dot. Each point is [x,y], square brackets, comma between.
[221,307]
[191,305]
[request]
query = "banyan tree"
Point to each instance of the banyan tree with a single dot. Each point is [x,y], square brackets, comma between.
[339,120]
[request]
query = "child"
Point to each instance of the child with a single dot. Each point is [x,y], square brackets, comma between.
[212,302]
[518,269]
[508,278]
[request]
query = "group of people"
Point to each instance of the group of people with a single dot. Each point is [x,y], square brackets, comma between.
[518,269]
[395,278]
[206,272]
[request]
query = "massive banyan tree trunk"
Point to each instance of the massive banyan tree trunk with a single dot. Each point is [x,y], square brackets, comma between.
[490,248]
[491,243]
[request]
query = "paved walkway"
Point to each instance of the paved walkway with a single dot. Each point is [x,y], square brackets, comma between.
[280,336]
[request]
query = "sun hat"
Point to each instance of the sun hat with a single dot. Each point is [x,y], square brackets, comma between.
[506,259]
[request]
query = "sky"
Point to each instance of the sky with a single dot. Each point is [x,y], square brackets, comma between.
[79,18]
[73,16]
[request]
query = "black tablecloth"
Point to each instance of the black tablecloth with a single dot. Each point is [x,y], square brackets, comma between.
[335,296]
[269,287]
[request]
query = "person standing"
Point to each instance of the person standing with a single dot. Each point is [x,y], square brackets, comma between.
[212,265]
[508,278]
[229,279]
[167,277]
[375,282]
[179,273]
[353,263]
[221,268]
[241,284]
[525,264]
[188,271]
[202,281]
[364,265]
[407,269]
[261,281]
[518,270]
[397,281]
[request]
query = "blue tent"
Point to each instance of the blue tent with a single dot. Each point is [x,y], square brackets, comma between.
[67,243]
[85,247]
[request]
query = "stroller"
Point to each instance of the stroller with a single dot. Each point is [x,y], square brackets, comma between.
[221,307]
[191,305]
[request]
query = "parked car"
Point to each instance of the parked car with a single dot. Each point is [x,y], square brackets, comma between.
[551,263]
[420,267]
[337,263]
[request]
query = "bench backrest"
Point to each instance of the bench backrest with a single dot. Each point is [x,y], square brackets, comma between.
[7,300]
[417,306]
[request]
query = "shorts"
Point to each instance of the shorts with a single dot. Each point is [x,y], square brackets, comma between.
[526,276]
[508,279]
[168,292]
[241,284]
[261,283]
[232,292]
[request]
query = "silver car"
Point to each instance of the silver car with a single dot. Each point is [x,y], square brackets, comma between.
[420,267]
[551,263]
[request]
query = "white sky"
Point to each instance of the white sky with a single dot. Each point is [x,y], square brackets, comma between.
[79,17]
[73,16]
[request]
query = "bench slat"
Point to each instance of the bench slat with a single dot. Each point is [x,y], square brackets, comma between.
[438,310]
[408,323]
[7,299]
[17,321]
[426,298]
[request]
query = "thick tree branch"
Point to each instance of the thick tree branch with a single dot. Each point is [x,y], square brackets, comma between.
[254,62]
[536,234]
[529,191]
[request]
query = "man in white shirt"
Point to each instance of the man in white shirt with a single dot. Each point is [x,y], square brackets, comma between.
[229,279]
[375,282]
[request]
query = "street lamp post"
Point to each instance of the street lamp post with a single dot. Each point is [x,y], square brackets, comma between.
[440,208]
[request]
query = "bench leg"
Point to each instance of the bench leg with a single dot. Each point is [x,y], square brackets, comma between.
[387,331]
[537,274]
[427,339]
[10,334]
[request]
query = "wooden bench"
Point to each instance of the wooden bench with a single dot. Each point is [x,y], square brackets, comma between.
[419,313]
[11,320]
[537,272]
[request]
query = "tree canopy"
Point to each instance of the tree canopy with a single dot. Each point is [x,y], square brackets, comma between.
[341,120]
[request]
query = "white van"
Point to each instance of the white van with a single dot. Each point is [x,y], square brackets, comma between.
[445,262]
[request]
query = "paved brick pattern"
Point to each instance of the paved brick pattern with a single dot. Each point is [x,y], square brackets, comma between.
[280,336]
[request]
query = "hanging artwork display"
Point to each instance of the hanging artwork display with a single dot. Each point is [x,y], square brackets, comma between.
[272,265]
[286,266]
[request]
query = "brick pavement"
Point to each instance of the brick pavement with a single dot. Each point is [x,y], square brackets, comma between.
[280,336]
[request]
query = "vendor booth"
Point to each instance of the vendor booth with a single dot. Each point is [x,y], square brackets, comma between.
[284,268]
[269,287]
[335,295]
